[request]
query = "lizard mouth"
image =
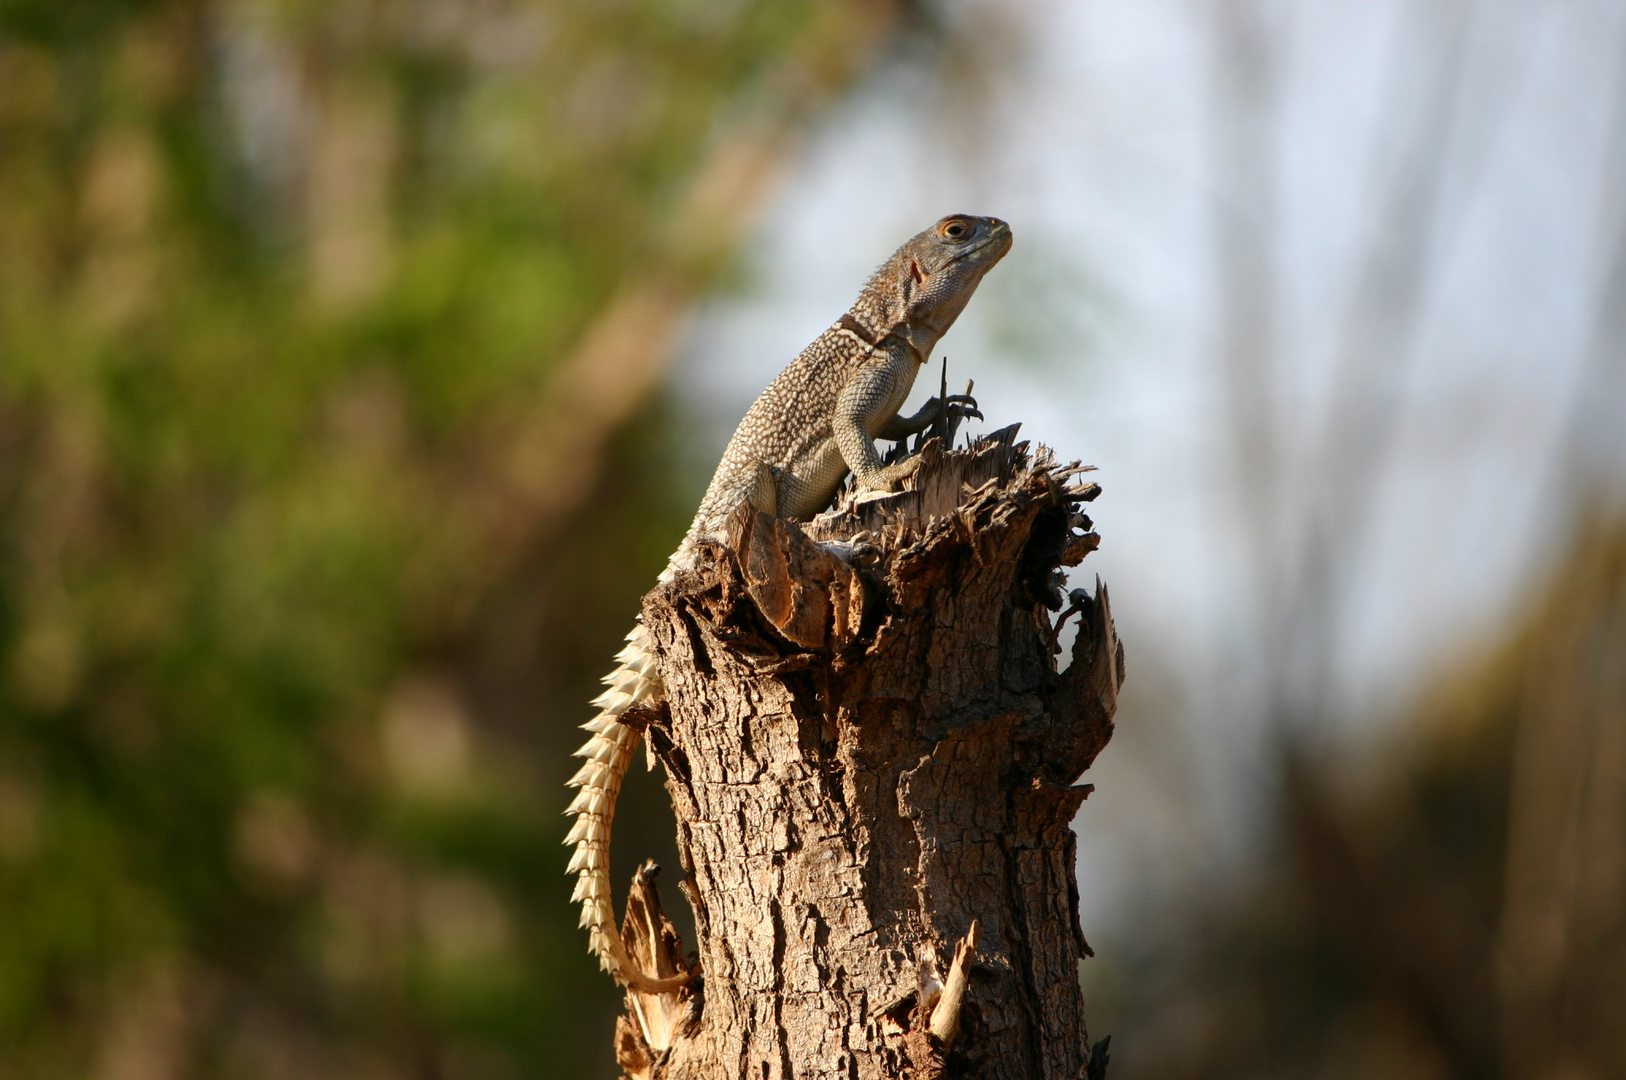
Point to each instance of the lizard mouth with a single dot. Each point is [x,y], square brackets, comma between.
[1000,234]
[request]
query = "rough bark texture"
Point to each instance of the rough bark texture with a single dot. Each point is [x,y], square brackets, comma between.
[868,749]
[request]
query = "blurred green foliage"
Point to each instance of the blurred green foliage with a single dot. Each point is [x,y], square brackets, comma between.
[281,727]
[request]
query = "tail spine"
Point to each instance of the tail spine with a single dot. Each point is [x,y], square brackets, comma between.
[608,754]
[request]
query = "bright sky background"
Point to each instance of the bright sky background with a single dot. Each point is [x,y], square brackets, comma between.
[1087,125]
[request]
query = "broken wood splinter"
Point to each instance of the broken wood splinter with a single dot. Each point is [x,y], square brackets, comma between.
[945,1022]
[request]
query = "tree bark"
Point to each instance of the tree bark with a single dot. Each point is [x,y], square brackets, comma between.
[872,756]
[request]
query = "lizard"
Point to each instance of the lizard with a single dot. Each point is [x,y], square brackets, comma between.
[815,423]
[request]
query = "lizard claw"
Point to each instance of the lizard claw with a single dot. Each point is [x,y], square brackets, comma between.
[955,406]
[961,406]
[947,411]
[892,476]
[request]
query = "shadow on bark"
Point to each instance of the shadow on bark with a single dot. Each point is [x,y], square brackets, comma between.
[872,758]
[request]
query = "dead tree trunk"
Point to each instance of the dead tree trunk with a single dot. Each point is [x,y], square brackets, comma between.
[872,758]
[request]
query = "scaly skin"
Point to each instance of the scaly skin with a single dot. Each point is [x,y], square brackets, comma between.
[813,425]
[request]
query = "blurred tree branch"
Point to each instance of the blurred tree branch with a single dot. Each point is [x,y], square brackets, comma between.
[548,456]
[1587,463]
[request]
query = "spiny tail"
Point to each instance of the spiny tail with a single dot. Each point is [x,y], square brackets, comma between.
[608,754]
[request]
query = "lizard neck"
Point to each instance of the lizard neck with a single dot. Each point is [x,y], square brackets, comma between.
[918,334]
[921,337]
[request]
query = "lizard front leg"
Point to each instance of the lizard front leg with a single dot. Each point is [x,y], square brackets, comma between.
[868,403]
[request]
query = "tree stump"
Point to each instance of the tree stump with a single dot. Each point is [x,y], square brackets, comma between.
[872,758]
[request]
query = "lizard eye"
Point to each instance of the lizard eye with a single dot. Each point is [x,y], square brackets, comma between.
[956,230]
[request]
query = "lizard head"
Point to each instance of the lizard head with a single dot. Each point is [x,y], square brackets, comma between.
[928,282]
